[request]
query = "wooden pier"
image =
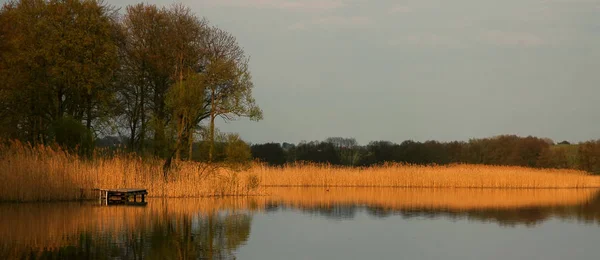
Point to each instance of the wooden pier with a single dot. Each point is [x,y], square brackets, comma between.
[122,196]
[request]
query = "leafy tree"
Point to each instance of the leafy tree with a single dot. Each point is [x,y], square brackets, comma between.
[61,57]
[186,101]
[228,81]
[237,152]
[149,64]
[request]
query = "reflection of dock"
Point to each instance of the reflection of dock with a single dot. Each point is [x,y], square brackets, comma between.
[123,196]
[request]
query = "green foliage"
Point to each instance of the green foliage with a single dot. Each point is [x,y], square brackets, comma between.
[500,150]
[237,152]
[229,83]
[186,101]
[72,135]
[589,156]
[58,60]
[154,74]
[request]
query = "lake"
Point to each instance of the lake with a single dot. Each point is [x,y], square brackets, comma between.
[314,223]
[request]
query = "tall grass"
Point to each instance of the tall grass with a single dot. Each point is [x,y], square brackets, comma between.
[428,198]
[44,173]
[417,176]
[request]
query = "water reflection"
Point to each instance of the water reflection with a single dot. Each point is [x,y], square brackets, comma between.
[504,207]
[216,228]
[173,229]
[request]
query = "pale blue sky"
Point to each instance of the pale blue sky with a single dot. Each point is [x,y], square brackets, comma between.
[416,69]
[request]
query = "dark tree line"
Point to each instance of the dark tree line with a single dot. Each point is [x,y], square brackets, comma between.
[73,70]
[500,150]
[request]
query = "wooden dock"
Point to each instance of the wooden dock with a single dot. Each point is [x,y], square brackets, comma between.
[122,196]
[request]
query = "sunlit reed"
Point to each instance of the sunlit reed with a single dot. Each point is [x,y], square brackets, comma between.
[428,198]
[400,175]
[42,173]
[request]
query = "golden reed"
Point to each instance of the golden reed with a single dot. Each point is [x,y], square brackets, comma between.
[427,198]
[416,176]
[42,173]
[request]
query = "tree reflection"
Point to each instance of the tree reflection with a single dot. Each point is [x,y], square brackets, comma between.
[216,228]
[214,236]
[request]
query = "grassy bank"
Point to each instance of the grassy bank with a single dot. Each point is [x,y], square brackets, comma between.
[43,174]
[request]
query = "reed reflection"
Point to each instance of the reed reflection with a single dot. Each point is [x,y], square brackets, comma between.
[174,229]
[505,207]
[216,228]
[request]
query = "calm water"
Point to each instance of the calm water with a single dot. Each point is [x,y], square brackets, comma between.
[314,224]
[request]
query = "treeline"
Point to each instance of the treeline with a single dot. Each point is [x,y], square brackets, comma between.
[509,150]
[74,70]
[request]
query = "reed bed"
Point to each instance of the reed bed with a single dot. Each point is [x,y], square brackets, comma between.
[428,198]
[417,176]
[43,173]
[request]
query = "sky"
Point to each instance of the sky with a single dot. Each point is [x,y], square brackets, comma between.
[415,69]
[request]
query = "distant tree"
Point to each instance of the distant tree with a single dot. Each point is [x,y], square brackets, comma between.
[271,153]
[347,149]
[555,157]
[287,146]
[435,153]
[317,152]
[589,156]
[457,152]
[342,142]
[382,151]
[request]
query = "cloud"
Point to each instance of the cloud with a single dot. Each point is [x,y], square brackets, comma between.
[351,22]
[297,5]
[509,38]
[400,9]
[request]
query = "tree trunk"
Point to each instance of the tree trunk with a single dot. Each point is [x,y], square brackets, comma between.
[88,111]
[143,119]
[132,129]
[212,125]
[59,106]
[178,143]
[190,143]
